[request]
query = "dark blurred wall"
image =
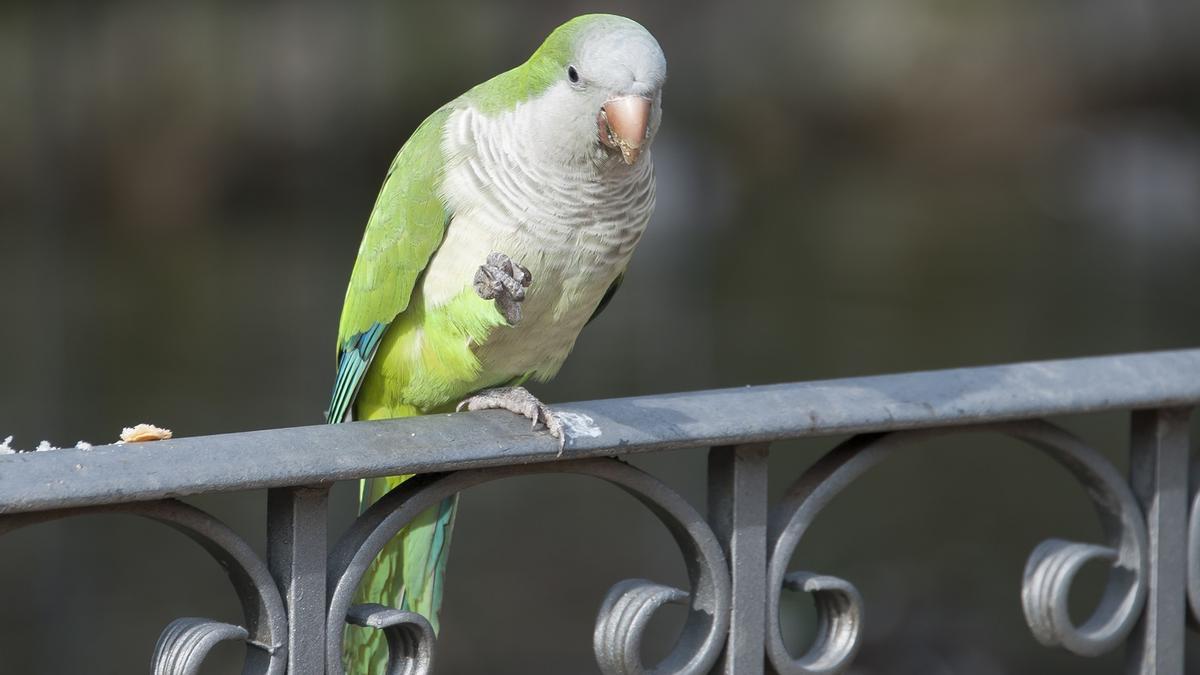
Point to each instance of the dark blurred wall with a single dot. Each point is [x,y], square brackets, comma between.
[846,187]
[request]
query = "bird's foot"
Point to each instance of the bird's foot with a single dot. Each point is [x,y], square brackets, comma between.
[503,280]
[521,402]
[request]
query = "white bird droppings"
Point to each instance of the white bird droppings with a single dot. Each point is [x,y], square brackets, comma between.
[578,424]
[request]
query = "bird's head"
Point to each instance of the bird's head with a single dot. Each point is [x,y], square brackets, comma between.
[605,76]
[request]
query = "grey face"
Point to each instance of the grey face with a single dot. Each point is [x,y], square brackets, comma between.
[620,69]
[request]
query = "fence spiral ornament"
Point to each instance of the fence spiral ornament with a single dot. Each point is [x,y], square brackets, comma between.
[1050,570]
[1052,565]
[184,643]
[621,623]
[839,609]
[1047,586]
[625,611]
[409,637]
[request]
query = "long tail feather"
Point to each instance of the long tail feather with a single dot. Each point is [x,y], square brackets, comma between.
[409,574]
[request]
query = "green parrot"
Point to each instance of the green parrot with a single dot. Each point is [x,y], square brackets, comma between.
[503,226]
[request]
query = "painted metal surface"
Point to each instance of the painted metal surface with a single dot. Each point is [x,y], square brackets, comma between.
[326,453]
[297,602]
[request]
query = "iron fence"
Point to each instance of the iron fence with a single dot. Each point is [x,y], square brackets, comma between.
[297,602]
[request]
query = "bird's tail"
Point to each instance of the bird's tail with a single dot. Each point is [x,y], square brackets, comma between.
[408,574]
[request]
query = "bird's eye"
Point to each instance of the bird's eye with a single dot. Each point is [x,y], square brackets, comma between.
[572,74]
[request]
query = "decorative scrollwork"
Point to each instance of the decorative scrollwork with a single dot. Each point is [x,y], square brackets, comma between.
[184,643]
[1047,584]
[1048,574]
[1127,549]
[622,620]
[628,606]
[409,637]
[839,618]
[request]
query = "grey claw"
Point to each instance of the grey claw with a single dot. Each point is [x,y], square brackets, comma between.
[486,285]
[522,275]
[556,430]
[510,309]
[521,402]
[504,281]
[498,259]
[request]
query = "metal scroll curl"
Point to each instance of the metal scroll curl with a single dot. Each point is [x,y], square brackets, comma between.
[409,637]
[1048,573]
[184,643]
[623,614]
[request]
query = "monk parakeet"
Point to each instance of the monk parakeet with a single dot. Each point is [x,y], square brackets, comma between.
[503,226]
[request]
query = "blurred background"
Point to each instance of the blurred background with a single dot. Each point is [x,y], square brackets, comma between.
[846,187]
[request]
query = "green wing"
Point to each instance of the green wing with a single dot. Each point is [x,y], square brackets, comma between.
[405,228]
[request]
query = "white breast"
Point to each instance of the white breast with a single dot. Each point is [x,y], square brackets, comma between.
[574,228]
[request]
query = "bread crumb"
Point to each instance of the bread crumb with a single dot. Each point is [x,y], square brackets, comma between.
[144,432]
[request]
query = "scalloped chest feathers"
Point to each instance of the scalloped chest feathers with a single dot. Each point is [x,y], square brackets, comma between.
[575,229]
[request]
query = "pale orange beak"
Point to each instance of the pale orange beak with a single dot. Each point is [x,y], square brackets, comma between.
[623,122]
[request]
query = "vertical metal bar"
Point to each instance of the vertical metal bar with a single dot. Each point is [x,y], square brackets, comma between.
[1159,473]
[737,510]
[297,549]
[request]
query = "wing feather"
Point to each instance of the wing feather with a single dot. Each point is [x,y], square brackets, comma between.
[405,228]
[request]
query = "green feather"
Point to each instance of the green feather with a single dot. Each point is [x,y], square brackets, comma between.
[397,357]
[405,228]
[543,69]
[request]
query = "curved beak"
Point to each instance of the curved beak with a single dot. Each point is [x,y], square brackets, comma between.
[623,122]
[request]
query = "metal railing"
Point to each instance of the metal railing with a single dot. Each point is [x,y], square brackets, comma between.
[297,601]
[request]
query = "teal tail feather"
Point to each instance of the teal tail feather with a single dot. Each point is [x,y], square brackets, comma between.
[408,574]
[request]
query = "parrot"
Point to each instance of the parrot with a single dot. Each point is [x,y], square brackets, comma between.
[504,225]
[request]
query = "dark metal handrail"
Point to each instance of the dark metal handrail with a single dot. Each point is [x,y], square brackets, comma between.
[739,556]
[303,455]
